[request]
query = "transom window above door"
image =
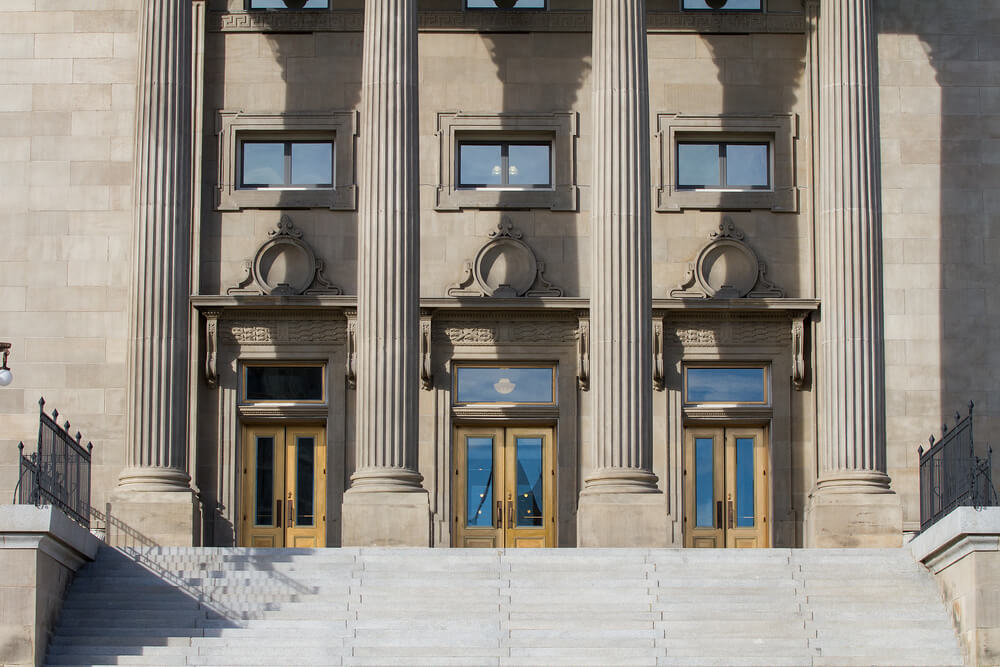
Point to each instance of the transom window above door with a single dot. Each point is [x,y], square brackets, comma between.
[288,4]
[505,4]
[272,383]
[527,385]
[723,5]
[730,385]
[504,164]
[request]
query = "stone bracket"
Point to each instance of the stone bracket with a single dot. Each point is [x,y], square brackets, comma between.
[212,347]
[350,371]
[798,350]
[583,351]
[426,373]
[659,370]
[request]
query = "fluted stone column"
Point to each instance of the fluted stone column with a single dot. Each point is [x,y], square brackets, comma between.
[620,504]
[154,496]
[851,504]
[386,504]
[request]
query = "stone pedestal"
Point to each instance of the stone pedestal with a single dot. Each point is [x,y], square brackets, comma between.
[851,504]
[154,518]
[154,495]
[386,504]
[854,519]
[963,552]
[620,504]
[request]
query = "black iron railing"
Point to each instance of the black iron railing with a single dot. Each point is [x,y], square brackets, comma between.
[58,474]
[951,475]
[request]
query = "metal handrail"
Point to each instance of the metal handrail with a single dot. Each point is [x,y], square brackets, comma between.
[951,475]
[58,474]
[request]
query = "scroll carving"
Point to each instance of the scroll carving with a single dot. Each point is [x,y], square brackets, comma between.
[659,371]
[474,333]
[350,371]
[504,267]
[726,268]
[727,333]
[798,352]
[211,347]
[284,265]
[583,353]
[426,373]
[283,332]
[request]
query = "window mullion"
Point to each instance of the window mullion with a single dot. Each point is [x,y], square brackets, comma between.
[723,181]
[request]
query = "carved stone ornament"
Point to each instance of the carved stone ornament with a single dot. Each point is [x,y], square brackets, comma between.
[726,268]
[284,265]
[505,266]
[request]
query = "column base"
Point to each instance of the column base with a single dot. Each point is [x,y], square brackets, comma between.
[386,518]
[154,518]
[622,520]
[854,512]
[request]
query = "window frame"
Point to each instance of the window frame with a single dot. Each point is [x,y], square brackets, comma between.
[761,10]
[553,368]
[504,145]
[234,128]
[253,138]
[779,130]
[245,365]
[557,128]
[763,366]
[248,6]
[543,8]
[723,145]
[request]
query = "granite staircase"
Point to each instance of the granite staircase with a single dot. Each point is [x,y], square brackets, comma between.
[175,606]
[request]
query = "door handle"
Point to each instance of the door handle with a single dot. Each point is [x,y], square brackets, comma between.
[291,513]
[718,514]
[277,513]
[730,512]
[510,513]
[499,514]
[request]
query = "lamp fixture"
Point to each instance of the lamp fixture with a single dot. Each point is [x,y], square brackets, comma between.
[6,377]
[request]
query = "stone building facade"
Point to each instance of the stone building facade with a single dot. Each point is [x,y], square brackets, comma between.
[408,332]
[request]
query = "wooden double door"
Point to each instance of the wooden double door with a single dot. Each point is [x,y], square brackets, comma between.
[284,486]
[726,487]
[504,486]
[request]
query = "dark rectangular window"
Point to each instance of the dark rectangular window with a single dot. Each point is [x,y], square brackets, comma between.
[704,165]
[292,164]
[507,164]
[283,383]
[289,4]
[724,5]
[505,4]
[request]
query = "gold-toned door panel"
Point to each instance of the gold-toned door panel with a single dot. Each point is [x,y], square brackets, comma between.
[284,487]
[725,488]
[504,487]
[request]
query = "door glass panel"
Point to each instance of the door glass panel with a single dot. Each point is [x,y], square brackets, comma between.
[305,466]
[704,482]
[264,505]
[530,503]
[744,483]
[479,476]
[505,385]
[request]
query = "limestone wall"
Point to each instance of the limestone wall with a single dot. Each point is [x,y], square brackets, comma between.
[940,104]
[67,98]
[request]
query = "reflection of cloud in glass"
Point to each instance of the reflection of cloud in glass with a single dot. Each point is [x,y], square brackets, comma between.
[725,385]
[521,4]
[504,385]
[731,4]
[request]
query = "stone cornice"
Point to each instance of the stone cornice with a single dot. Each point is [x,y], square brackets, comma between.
[697,307]
[567,21]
